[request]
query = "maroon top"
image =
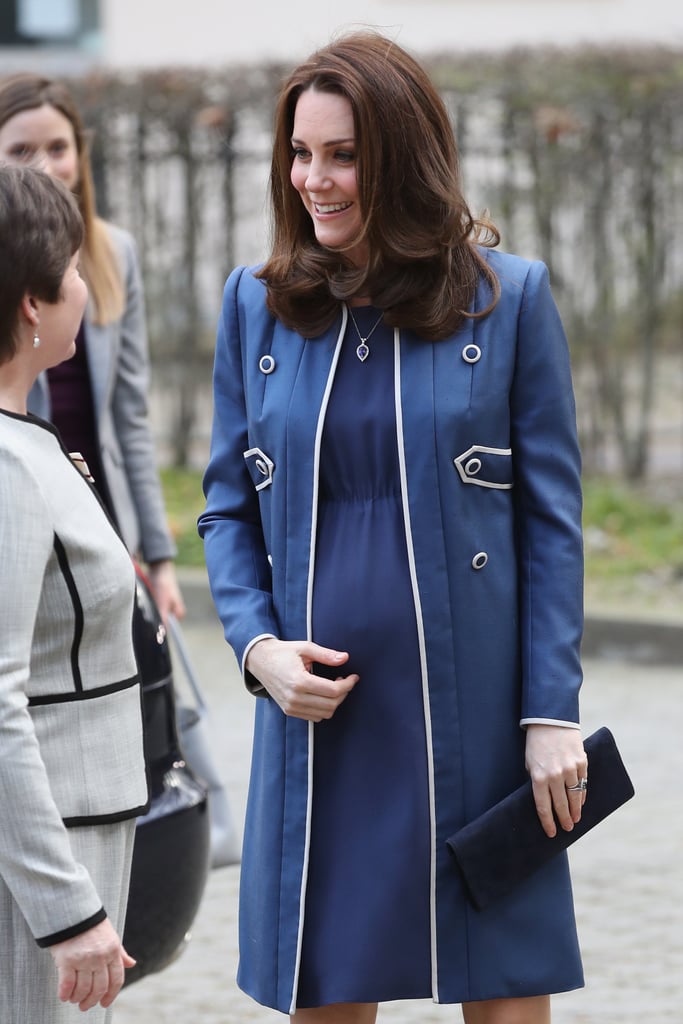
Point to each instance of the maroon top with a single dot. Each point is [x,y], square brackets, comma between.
[73,412]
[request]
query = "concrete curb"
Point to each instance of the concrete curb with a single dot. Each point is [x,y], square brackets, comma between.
[612,637]
[641,642]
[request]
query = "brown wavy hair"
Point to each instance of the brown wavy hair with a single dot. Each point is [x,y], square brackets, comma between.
[425,259]
[99,264]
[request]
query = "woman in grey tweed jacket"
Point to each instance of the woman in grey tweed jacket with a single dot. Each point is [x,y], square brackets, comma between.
[99,400]
[72,775]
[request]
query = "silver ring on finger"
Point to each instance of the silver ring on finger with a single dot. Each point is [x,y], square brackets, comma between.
[580,787]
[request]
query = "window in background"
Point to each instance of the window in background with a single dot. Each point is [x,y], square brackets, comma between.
[49,23]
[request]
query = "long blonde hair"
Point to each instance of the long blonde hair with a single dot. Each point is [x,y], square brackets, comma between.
[99,263]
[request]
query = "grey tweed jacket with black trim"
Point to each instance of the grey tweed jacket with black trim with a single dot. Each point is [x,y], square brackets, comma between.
[71,744]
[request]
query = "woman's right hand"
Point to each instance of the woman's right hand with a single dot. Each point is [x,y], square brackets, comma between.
[284,668]
[90,966]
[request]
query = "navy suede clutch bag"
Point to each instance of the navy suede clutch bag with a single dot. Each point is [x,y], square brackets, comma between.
[506,844]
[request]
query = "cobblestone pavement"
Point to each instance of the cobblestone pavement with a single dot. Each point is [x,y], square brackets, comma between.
[628,873]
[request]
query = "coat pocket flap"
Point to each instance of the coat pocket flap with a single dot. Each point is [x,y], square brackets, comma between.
[486,467]
[260,467]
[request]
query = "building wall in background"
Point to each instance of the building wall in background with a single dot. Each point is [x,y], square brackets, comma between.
[66,36]
[149,32]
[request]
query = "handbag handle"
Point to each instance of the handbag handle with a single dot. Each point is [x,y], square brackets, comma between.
[181,647]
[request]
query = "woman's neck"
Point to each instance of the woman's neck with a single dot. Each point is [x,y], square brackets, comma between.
[14,388]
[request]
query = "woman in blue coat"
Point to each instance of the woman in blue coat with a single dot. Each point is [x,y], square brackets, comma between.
[393,539]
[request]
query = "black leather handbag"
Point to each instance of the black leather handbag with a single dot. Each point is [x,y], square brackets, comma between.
[171,856]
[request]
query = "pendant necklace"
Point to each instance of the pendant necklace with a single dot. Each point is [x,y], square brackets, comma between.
[363,349]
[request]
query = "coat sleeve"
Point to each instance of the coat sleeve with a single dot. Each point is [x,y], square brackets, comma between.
[236,556]
[547,472]
[53,891]
[131,414]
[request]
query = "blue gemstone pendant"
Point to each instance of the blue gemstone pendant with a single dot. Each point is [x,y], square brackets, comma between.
[363,350]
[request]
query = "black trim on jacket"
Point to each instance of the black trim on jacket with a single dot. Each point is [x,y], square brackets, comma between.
[76,929]
[63,560]
[83,694]
[108,819]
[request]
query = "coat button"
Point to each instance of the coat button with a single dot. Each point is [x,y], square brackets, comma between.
[471,353]
[472,466]
[266,364]
[480,560]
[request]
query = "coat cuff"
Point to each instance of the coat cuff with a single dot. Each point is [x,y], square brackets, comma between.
[549,721]
[250,681]
[70,933]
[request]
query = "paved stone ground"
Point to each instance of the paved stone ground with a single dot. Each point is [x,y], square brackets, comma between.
[628,874]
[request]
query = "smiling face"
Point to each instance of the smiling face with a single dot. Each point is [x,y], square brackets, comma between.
[324,169]
[42,137]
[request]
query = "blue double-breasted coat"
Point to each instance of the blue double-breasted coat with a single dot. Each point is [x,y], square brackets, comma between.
[490,479]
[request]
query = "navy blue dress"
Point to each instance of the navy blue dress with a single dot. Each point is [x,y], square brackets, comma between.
[366,931]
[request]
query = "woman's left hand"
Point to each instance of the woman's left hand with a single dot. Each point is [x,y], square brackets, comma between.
[556,761]
[165,590]
[91,966]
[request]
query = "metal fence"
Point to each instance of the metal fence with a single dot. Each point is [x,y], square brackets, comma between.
[578,157]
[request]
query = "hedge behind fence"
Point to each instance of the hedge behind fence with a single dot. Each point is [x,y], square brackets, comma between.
[578,157]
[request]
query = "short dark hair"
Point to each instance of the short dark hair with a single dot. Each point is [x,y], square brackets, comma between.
[40,230]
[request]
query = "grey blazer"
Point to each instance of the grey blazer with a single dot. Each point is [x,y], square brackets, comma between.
[118,361]
[71,739]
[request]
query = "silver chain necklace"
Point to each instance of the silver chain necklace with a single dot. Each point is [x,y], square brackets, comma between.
[363,350]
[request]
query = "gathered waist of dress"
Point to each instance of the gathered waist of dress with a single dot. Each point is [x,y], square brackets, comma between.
[392,496]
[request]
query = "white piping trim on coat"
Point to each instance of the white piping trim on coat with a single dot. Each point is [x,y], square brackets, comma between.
[264,465]
[261,636]
[549,721]
[485,450]
[309,636]
[423,659]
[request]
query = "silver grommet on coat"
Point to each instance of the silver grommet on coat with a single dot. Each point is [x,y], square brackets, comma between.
[270,561]
[480,560]
[266,364]
[260,467]
[472,466]
[471,353]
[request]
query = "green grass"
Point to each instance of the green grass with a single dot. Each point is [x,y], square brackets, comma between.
[634,537]
[628,533]
[634,545]
[184,501]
